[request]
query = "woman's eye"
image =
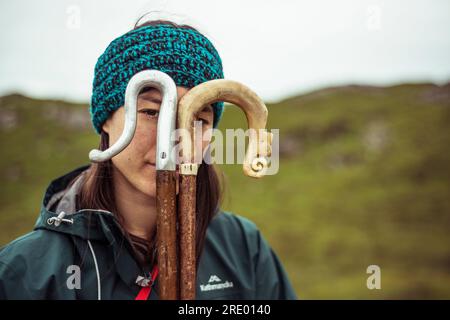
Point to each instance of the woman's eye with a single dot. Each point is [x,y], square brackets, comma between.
[151,113]
[204,121]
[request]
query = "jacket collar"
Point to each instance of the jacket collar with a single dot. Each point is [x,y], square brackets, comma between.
[88,224]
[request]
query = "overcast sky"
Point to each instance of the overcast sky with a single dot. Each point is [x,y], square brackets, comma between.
[278,48]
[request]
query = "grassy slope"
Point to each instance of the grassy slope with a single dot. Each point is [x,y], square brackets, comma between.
[364,179]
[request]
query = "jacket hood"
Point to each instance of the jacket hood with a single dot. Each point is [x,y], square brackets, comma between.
[59,212]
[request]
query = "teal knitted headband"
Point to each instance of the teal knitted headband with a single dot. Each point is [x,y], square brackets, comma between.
[184,54]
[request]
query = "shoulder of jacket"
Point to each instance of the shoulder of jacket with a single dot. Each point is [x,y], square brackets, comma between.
[235,229]
[233,222]
[35,244]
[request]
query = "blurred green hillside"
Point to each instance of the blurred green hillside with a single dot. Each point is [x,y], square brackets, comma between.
[364,179]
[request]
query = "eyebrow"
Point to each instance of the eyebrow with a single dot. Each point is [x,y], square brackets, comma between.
[150,94]
[152,91]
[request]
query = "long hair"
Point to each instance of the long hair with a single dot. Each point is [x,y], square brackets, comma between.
[98,187]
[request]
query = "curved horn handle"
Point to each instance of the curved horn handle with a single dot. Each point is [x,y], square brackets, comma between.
[146,78]
[260,141]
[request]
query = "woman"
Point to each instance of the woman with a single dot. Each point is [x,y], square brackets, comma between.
[95,236]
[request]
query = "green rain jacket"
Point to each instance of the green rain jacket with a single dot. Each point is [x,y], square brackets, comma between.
[86,256]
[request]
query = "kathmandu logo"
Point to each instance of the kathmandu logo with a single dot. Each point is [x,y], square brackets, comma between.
[213,285]
[214,278]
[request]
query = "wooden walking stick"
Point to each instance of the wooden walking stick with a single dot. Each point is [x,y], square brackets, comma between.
[165,166]
[255,164]
[166,197]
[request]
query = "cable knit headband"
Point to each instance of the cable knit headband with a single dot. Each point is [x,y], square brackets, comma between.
[184,54]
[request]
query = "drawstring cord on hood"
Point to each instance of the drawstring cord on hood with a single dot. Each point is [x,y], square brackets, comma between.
[60,218]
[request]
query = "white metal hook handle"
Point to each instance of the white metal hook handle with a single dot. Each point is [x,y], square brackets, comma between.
[166,118]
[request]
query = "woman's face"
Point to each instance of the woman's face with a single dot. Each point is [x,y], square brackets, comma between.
[135,165]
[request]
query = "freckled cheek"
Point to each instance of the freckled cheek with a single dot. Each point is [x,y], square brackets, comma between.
[144,141]
[126,158]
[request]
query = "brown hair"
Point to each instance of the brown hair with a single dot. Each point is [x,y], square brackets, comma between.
[97,191]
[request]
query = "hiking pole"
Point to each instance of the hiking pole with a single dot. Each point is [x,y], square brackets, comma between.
[255,164]
[165,169]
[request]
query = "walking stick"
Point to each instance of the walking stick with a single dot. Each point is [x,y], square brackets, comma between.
[165,169]
[254,165]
